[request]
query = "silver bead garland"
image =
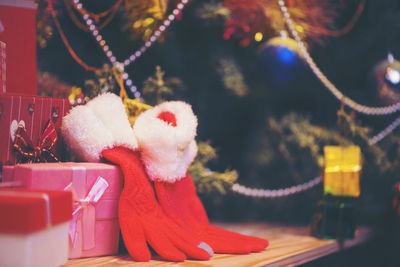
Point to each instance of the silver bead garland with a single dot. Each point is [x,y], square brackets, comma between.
[284,192]
[275,193]
[390,128]
[153,38]
[327,83]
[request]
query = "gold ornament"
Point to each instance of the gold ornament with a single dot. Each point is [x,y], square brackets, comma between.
[146,16]
[342,171]
[283,40]
[76,97]
[134,108]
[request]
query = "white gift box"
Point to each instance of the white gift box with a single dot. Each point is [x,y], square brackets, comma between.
[34,227]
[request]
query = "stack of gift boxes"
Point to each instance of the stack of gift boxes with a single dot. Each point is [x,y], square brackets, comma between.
[335,217]
[95,189]
[50,210]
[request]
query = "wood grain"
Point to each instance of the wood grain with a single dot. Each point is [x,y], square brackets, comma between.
[289,246]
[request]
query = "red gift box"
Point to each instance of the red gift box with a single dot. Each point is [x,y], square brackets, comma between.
[26,211]
[34,227]
[33,112]
[94,229]
[2,66]
[18,18]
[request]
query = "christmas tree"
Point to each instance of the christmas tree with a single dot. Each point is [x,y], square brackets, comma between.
[260,106]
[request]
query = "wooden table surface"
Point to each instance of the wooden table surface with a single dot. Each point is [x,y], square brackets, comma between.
[289,245]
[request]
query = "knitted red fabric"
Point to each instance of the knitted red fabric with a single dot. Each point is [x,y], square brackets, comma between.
[141,218]
[180,202]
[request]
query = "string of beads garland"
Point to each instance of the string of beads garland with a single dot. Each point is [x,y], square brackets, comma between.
[132,58]
[275,193]
[390,128]
[66,43]
[284,192]
[325,81]
[334,90]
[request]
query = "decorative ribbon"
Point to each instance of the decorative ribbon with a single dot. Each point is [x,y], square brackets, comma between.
[84,209]
[43,152]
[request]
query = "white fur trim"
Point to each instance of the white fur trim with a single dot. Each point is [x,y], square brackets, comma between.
[110,110]
[167,151]
[85,133]
[100,124]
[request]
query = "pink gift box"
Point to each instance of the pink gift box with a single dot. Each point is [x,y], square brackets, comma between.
[94,229]
[7,174]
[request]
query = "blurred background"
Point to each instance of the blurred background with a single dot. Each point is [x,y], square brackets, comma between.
[264,116]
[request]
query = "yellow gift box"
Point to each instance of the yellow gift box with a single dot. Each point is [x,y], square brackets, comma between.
[342,171]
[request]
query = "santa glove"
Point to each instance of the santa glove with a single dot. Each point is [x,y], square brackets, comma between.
[166,141]
[187,210]
[138,208]
[101,128]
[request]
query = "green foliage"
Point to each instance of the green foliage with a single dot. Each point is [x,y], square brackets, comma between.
[299,145]
[142,18]
[208,181]
[289,151]
[374,155]
[212,11]
[232,77]
[290,148]
[104,81]
[157,90]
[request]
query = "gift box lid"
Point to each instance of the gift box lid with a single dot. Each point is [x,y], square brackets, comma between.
[26,211]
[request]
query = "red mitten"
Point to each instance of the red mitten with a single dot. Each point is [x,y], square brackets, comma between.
[166,141]
[101,128]
[187,210]
[139,209]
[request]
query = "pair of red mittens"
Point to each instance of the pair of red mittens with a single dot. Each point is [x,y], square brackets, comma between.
[142,219]
[101,129]
[166,142]
[175,225]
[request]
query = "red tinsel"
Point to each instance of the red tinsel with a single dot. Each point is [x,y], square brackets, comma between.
[247,18]
[315,18]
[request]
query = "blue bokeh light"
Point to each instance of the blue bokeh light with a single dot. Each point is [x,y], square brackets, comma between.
[285,55]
